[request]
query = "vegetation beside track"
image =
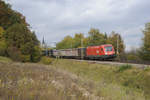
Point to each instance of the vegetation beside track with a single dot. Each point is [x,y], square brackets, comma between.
[5,59]
[28,81]
[113,83]
[71,80]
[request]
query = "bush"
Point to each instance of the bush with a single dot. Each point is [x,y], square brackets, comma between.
[36,54]
[27,46]
[3,48]
[25,58]
[14,53]
[133,57]
[124,67]
[5,59]
[46,60]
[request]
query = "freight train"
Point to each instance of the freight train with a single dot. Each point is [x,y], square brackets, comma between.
[101,52]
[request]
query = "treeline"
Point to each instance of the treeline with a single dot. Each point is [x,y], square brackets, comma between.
[95,37]
[141,54]
[17,41]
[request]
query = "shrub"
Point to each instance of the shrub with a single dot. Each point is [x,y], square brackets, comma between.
[14,53]
[5,59]
[46,60]
[3,47]
[124,67]
[36,55]
[18,36]
[133,57]
[25,58]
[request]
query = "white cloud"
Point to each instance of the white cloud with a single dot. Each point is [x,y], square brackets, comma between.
[55,19]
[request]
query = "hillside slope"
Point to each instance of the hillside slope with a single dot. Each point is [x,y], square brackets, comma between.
[69,80]
[20,81]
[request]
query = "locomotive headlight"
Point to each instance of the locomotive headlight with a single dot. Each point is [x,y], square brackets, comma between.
[106,53]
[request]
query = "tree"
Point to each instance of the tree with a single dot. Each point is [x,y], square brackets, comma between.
[66,43]
[8,17]
[18,36]
[145,49]
[105,37]
[86,42]
[21,43]
[78,38]
[73,42]
[95,37]
[115,39]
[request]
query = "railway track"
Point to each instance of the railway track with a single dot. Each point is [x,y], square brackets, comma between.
[116,63]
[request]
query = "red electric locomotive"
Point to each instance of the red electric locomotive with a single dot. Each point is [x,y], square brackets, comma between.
[100,52]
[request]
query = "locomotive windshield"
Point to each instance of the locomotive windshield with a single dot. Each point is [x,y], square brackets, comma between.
[108,48]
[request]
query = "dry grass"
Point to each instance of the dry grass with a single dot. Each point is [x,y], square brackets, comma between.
[71,80]
[110,82]
[24,81]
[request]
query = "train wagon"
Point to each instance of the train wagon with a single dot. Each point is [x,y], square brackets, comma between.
[100,52]
[69,53]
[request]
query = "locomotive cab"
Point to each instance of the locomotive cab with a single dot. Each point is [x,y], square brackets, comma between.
[109,51]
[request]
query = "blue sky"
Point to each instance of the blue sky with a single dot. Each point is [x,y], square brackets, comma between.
[55,19]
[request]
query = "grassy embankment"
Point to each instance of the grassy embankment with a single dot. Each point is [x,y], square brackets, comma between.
[113,83]
[28,81]
[71,80]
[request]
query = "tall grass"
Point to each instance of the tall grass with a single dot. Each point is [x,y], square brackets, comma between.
[24,81]
[114,83]
[72,80]
[124,67]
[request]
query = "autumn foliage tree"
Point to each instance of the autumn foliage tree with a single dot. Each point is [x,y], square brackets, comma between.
[116,40]
[17,41]
[145,49]
[66,43]
[18,36]
[78,38]
[95,37]
[8,17]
